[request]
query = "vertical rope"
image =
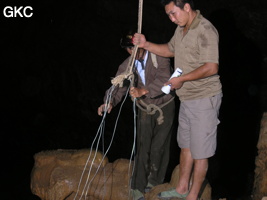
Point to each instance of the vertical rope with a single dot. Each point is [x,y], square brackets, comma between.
[100,132]
[139,29]
[140,16]
[128,74]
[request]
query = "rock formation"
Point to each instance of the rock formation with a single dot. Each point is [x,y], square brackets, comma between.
[56,175]
[260,180]
[76,174]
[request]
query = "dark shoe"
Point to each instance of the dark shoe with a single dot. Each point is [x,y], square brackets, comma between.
[171,194]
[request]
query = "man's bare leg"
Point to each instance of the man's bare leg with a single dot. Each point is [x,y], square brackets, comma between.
[185,169]
[199,174]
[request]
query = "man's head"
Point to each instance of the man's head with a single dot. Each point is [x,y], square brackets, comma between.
[179,11]
[127,40]
[179,3]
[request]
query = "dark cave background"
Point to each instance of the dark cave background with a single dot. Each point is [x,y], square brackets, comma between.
[58,63]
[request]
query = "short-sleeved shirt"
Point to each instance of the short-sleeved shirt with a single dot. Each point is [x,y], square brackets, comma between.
[192,50]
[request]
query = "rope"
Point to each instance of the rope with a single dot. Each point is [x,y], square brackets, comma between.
[100,133]
[152,108]
[128,74]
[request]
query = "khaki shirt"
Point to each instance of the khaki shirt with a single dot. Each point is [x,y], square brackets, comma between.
[192,50]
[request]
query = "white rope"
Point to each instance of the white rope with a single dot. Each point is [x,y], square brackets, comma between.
[100,130]
[133,150]
[103,150]
[97,135]
[110,141]
[116,81]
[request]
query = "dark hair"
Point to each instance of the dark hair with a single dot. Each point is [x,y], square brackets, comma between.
[127,37]
[127,40]
[179,3]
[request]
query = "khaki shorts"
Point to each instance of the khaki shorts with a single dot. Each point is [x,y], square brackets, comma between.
[197,130]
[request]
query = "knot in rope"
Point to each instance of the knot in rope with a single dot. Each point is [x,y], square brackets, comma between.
[118,80]
[151,109]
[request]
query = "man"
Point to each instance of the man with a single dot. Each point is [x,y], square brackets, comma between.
[153,138]
[194,47]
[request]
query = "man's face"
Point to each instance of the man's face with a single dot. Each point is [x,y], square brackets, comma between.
[129,50]
[176,14]
[139,54]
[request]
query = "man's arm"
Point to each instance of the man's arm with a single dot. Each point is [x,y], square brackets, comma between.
[206,70]
[158,49]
